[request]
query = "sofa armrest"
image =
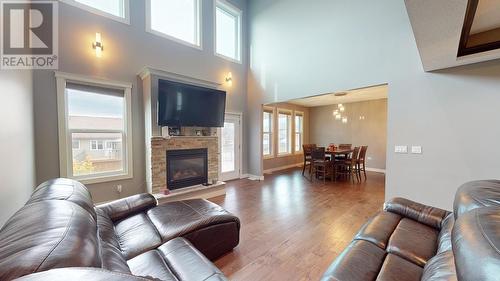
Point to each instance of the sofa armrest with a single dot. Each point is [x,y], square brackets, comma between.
[424,214]
[122,208]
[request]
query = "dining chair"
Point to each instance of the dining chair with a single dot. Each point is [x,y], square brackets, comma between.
[348,167]
[320,164]
[307,149]
[361,163]
[345,146]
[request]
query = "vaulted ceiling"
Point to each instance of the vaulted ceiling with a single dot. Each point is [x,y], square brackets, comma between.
[455,32]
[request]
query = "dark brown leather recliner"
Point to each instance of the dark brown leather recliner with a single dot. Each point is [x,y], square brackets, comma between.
[60,235]
[411,241]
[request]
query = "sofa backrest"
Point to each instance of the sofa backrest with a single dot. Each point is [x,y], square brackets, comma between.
[476,233]
[476,194]
[56,228]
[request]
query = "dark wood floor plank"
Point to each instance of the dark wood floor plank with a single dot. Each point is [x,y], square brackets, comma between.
[292,229]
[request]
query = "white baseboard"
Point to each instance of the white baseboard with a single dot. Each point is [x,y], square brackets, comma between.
[382,171]
[252,177]
[296,165]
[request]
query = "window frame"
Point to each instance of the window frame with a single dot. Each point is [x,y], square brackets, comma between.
[199,27]
[126,10]
[65,141]
[289,134]
[295,114]
[91,145]
[238,13]
[271,132]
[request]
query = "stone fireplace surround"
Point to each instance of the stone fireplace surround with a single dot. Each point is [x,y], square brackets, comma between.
[159,147]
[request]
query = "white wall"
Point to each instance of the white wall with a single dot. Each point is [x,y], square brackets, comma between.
[17,167]
[299,48]
[127,49]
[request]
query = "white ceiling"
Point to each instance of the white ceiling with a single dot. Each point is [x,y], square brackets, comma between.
[357,95]
[487,16]
[437,26]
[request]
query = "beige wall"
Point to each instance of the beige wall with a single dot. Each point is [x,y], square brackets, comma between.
[371,131]
[276,161]
[17,168]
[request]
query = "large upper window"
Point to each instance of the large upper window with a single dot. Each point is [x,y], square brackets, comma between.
[299,130]
[227,30]
[115,9]
[267,132]
[175,19]
[96,116]
[284,132]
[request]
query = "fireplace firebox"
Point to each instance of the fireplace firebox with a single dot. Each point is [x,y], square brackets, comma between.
[186,167]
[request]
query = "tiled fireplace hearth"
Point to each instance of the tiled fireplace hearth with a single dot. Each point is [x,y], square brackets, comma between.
[162,147]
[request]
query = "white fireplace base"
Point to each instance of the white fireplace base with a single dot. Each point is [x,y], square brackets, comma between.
[193,192]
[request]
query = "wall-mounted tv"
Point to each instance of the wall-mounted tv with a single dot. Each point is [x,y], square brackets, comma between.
[187,105]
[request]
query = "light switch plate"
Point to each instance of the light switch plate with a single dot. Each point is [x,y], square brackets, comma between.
[401,149]
[416,149]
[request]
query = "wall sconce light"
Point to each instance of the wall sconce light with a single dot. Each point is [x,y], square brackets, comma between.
[362,117]
[229,79]
[97,45]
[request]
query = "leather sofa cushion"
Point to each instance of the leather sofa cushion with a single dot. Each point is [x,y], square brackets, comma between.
[136,235]
[379,228]
[413,241]
[476,194]
[120,209]
[444,238]
[441,267]
[476,244]
[395,268]
[111,255]
[151,265]
[64,189]
[177,259]
[176,219]
[361,260]
[81,274]
[47,235]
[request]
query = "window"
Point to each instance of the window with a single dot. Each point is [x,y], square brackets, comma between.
[267,132]
[114,9]
[299,130]
[97,115]
[284,132]
[175,19]
[96,145]
[75,144]
[227,31]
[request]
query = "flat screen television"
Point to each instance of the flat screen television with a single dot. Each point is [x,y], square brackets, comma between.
[187,105]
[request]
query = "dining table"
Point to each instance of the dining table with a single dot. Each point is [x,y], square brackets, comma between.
[338,152]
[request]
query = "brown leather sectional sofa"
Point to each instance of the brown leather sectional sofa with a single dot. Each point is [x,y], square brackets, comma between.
[60,235]
[409,241]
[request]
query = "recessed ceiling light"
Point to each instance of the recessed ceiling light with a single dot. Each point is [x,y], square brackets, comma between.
[341,94]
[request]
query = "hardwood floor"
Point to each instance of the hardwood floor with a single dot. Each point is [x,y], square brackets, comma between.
[292,229]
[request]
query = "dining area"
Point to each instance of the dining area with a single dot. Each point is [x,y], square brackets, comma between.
[341,162]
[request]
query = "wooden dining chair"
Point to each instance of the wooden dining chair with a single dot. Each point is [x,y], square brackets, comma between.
[348,167]
[361,163]
[320,164]
[307,149]
[345,146]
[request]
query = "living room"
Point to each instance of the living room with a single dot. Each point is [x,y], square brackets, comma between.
[104,94]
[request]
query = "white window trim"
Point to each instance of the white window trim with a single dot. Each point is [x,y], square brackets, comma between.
[126,10]
[65,144]
[96,145]
[273,133]
[199,27]
[235,11]
[298,113]
[290,133]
